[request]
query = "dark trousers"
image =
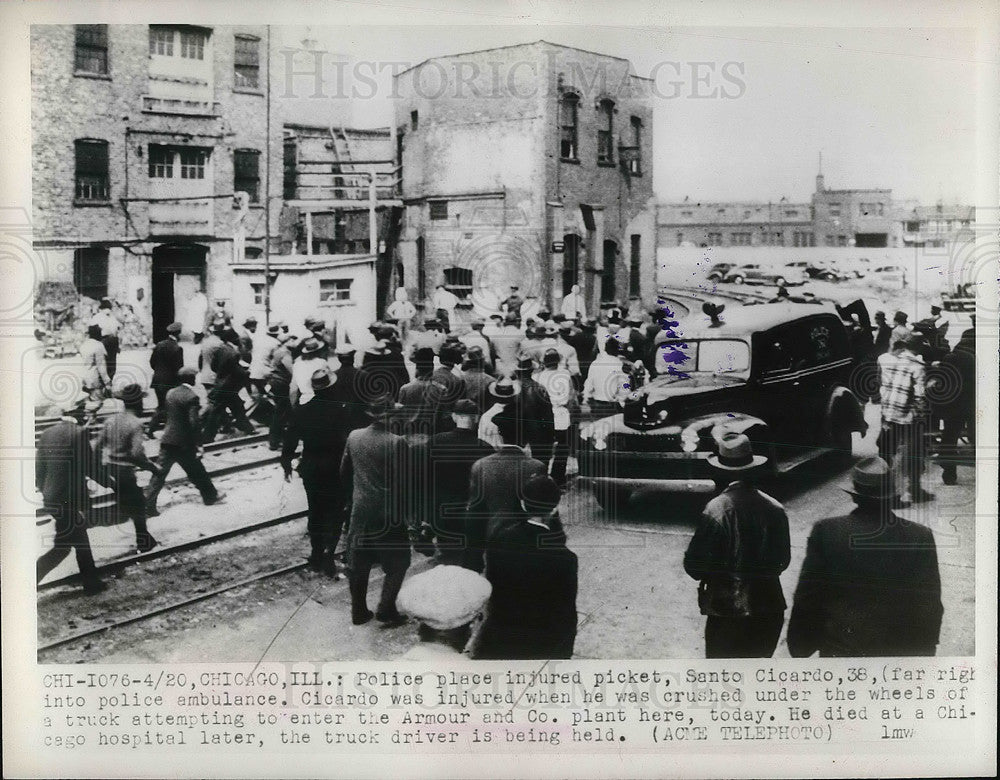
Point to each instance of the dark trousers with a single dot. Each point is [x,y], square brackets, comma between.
[951,429]
[442,315]
[279,417]
[219,402]
[326,509]
[903,447]
[561,455]
[71,534]
[193,467]
[130,502]
[394,562]
[750,637]
[111,347]
[159,417]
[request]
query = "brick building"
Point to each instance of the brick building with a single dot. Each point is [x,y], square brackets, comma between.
[735,224]
[527,165]
[141,136]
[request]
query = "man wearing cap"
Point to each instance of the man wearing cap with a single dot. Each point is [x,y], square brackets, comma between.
[738,551]
[312,357]
[511,305]
[321,425]
[246,338]
[345,389]
[423,409]
[181,443]
[900,330]
[450,456]
[210,347]
[279,384]
[449,357]
[63,462]
[531,613]
[262,348]
[166,360]
[902,393]
[109,324]
[475,338]
[558,383]
[883,335]
[869,584]
[232,375]
[496,482]
[372,474]
[120,449]
[506,343]
[96,380]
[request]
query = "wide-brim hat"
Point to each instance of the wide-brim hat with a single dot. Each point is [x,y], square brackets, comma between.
[174,328]
[525,363]
[550,329]
[250,321]
[322,379]
[345,350]
[505,389]
[273,330]
[131,393]
[311,346]
[736,454]
[871,477]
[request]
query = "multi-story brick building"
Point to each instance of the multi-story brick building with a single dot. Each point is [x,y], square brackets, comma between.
[735,224]
[141,136]
[854,217]
[527,165]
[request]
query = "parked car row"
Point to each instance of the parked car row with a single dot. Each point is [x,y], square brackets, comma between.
[798,272]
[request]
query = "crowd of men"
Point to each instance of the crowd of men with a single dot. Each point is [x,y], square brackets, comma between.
[455,442]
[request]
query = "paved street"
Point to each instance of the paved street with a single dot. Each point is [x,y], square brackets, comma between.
[634,599]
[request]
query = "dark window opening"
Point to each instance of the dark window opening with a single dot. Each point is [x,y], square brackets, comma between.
[871,240]
[91,49]
[571,262]
[635,260]
[439,209]
[90,272]
[92,179]
[290,158]
[608,287]
[414,120]
[246,62]
[421,267]
[605,133]
[568,126]
[246,173]
[458,281]
[635,152]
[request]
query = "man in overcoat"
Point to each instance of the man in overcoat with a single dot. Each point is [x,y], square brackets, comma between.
[166,360]
[870,584]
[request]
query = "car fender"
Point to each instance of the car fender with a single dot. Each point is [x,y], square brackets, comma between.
[843,405]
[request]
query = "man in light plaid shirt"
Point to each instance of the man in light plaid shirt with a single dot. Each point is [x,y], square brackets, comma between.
[902,382]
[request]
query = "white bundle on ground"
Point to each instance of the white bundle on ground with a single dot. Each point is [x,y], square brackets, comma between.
[444,597]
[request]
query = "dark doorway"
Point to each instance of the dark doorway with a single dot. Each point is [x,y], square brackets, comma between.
[90,272]
[178,270]
[608,290]
[871,240]
[571,262]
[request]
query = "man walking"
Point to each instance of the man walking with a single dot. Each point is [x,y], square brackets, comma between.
[320,423]
[451,455]
[232,375]
[120,449]
[870,584]
[902,391]
[166,360]
[738,551]
[64,460]
[372,473]
[534,412]
[558,383]
[280,386]
[475,338]
[96,380]
[181,443]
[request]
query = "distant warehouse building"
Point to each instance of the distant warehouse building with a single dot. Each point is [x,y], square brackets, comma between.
[526,165]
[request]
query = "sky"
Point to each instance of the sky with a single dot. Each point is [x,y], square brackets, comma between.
[887,108]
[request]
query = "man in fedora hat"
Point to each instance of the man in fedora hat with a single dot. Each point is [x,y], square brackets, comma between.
[321,426]
[279,385]
[496,482]
[64,460]
[475,338]
[534,411]
[738,551]
[869,584]
[500,394]
[166,360]
[120,449]
[312,357]
[512,304]
[424,409]
[450,457]
[477,380]
[232,375]
[372,474]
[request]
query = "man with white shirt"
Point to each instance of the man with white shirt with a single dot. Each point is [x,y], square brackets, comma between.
[558,382]
[476,338]
[444,301]
[607,382]
[311,359]
[109,325]
[572,304]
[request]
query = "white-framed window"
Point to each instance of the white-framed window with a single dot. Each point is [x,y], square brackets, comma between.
[185,42]
[333,291]
[161,41]
[169,162]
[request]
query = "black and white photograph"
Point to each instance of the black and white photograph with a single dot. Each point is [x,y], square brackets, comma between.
[438,343]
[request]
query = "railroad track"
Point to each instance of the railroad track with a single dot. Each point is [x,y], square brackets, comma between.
[120,564]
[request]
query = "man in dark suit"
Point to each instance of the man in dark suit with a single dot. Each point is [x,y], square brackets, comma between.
[167,359]
[869,584]
[531,613]
[232,374]
[477,381]
[181,443]
[534,409]
[951,386]
[345,389]
[372,474]
[422,412]
[496,487]
[321,425]
[451,455]
[64,459]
